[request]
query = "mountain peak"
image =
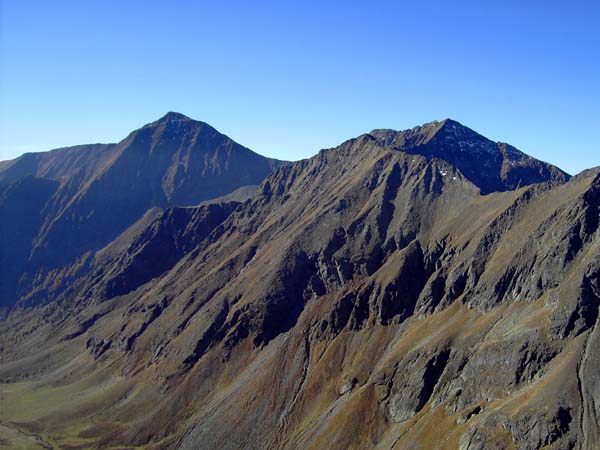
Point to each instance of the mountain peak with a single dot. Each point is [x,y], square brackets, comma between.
[177,119]
[490,165]
[418,135]
[174,116]
[449,121]
[445,128]
[439,124]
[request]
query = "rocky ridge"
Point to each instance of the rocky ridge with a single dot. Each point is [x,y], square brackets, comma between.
[368,297]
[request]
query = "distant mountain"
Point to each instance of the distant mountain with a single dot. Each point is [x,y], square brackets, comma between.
[493,166]
[418,289]
[97,191]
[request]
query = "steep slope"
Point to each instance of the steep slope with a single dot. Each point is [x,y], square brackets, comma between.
[103,189]
[493,166]
[174,161]
[364,298]
[21,205]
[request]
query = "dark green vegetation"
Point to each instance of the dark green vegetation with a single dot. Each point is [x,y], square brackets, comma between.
[368,297]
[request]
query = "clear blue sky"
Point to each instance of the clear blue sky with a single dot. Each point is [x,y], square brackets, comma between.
[289,78]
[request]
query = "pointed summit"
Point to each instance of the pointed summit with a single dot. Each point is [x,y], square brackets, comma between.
[490,165]
[454,130]
[173,116]
[173,122]
[423,134]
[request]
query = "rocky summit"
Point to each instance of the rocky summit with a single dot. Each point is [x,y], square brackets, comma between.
[417,289]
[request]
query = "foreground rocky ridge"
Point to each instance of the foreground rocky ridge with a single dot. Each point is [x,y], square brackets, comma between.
[365,298]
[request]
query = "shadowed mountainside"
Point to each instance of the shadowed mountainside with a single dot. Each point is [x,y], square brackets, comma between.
[368,297]
[493,166]
[95,192]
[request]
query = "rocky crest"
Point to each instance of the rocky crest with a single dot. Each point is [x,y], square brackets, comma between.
[493,166]
[382,294]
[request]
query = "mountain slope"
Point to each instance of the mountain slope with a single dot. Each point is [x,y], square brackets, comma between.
[56,164]
[21,210]
[103,189]
[174,161]
[493,166]
[367,297]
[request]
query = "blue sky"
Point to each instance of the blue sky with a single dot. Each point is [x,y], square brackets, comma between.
[289,78]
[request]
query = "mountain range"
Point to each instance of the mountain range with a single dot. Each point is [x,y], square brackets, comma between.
[425,288]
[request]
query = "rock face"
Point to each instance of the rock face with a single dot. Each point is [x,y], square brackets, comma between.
[382,294]
[95,192]
[493,166]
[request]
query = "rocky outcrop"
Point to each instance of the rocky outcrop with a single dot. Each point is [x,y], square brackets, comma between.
[413,384]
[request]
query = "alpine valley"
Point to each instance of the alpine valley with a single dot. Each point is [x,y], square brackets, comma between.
[417,289]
